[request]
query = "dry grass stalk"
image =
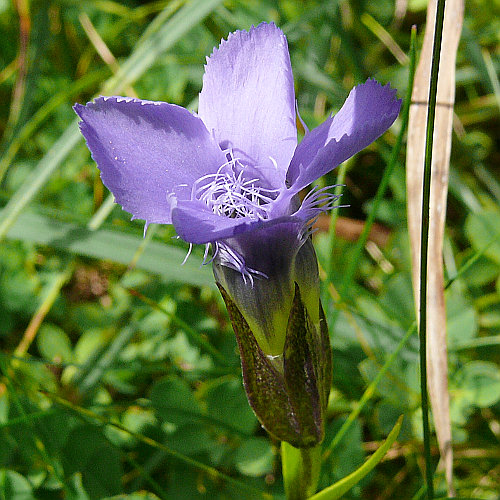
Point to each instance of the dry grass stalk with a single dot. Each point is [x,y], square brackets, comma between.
[437,363]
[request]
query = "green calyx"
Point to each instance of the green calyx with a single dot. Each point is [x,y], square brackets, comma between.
[288,393]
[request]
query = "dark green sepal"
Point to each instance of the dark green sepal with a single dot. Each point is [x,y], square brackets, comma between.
[289,403]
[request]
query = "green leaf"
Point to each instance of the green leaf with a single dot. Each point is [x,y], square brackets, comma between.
[349,454]
[481,272]
[228,403]
[396,388]
[189,440]
[340,487]
[161,259]
[461,319]
[91,342]
[173,400]
[18,291]
[13,486]
[88,452]
[482,228]
[479,383]
[255,457]
[398,299]
[387,414]
[54,344]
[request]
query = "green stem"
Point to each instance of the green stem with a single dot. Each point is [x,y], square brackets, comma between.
[301,468]
[436,51]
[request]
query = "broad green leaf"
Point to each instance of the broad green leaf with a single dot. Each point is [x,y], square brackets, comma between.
[461,319]
[479,383]
[398,299]
[482,228]
[227,403]
[189,440]
[18,291]
[54,344]
[348,454]
[90,342]
[394,387]
[88,452]
[481,272]
[13,486]
[386,414]
[173,399]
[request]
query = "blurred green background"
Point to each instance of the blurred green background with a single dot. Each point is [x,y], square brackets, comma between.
[119,369]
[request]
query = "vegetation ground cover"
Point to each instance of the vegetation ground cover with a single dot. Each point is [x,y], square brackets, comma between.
[120,374]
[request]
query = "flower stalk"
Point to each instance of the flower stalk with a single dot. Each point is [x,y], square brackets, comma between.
[301,469]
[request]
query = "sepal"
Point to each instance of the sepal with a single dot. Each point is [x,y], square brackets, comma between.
[288,393]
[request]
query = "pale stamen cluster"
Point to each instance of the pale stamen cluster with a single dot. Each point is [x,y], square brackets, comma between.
[229,194]
[317,201]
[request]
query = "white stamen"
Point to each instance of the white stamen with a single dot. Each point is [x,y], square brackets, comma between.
[188,254]
[229,194]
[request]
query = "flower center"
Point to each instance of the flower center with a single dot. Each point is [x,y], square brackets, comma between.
[231,192]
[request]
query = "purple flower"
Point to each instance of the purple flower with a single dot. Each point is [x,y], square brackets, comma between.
[229,175]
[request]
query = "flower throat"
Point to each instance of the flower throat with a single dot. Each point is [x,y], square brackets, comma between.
[231,193]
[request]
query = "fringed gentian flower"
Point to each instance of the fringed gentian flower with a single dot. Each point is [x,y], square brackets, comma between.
[229,177]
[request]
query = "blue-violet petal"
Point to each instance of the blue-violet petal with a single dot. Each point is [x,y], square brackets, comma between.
[147,151]
[367,113]
[248,99]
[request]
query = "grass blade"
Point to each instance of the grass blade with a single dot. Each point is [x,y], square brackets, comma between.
[38,178]
[338,489]
[160,259]
[382,188]
[25,133]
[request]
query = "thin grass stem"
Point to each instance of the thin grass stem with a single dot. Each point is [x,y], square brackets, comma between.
[353,264]
[369,393]
[424,243]
[333,219]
